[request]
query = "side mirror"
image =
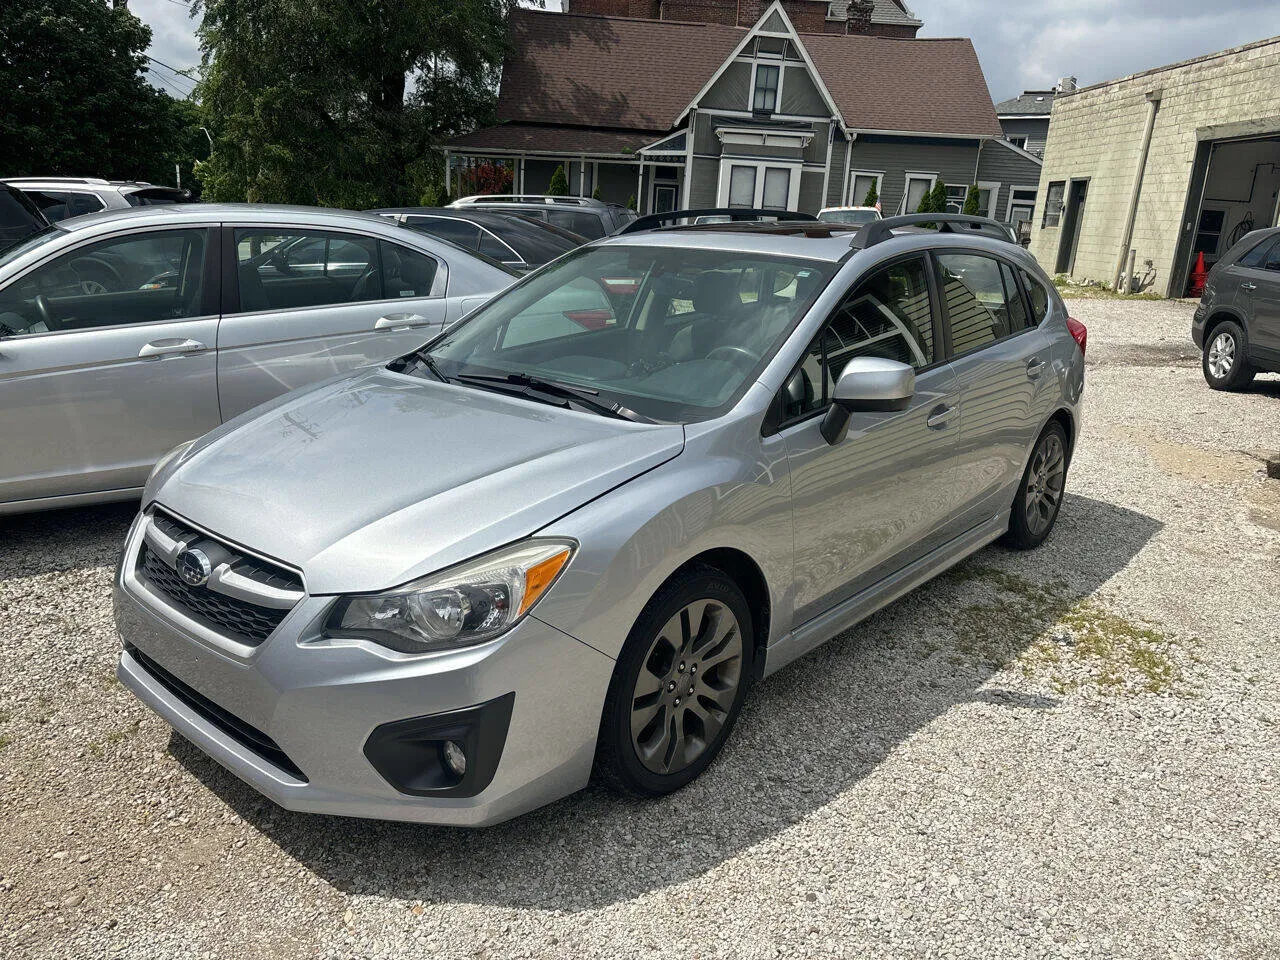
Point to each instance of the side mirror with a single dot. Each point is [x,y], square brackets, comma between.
[867,385]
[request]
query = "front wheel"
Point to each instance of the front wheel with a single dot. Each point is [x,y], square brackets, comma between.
[678,686]
[1039,498]
[1225,362]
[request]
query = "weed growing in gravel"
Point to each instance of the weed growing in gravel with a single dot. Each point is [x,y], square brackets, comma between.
[1050,635]
[5,740]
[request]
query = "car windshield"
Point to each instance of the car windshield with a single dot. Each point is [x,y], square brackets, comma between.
[672,334]
[849,216]
[10,250]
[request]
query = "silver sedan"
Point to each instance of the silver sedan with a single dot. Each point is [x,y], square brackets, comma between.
[123,334]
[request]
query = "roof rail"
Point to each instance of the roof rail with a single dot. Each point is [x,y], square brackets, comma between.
[654,221]
[96,181]
[525,198]
[882,230]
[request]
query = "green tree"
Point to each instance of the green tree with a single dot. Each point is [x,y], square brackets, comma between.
[973,202]
[75,98]
[631,202]
[340,103]
[595,194]
[938,198]
[872,197]
[926,203]
[559,183]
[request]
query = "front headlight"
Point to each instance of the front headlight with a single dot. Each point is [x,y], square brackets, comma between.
[468,604]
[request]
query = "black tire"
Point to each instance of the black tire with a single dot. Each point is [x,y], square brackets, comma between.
[1225,359]
[1039,497]
[618,762]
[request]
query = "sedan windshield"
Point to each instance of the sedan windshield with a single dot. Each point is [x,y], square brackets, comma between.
[672,334]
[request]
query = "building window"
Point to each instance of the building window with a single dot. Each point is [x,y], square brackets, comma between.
[765,99]
[1019,142]
[759,185]
[918,185]
[863,184]
[742,187]
[957,193]
[777,188]
[1053,203]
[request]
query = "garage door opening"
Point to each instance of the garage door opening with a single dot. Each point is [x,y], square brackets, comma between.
[1235,189]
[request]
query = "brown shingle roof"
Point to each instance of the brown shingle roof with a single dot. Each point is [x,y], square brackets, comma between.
[633,74]
[921,86]
[608,71]
[548,138]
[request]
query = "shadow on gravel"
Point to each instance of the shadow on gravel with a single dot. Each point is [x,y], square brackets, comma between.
[808,734]
[77,539]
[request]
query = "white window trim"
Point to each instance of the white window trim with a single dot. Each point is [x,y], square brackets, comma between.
[993,204]
[853,178]
[1014,188]
[793,188]
[906,186]
[754,137]
[966,187]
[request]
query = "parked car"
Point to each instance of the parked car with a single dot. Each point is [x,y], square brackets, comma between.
[1237,325]
[588,218]
[62,197]
[448,588]
[521,243]
[19,217]
[855,215]
[124,333]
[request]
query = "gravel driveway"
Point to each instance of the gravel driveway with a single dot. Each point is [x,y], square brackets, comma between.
[1073,752]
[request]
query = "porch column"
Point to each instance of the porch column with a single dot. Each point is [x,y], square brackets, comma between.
[582,176]
[640,188]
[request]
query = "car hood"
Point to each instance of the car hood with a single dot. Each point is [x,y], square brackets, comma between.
[369,482]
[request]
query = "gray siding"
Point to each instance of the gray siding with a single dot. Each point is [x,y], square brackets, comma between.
[1002,165]
[816,151]
[706,183]
[835,188]
[810,199]
[800,96]
[762,152]
[953,161]
[1036,132]
[704,135]
[732,91]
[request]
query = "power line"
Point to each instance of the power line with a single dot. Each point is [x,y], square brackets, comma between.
[161,63]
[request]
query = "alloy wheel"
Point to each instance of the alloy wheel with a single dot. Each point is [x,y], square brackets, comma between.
[686,687]
[1222,355]
[1045,483]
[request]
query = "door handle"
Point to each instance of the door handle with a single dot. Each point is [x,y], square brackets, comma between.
[1248,286]
[1035,367]
[399,321]
[170,346]
[941,416]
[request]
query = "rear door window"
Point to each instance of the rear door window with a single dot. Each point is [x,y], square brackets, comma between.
[407,273]
[1259,256]
[282,269]
[583,224]
[460,232]
[980,305]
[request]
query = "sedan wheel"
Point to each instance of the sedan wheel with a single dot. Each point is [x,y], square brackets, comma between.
[678,686]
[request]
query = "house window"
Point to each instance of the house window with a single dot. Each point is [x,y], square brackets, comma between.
[957,193]
[863,184]
[765,99]
[759,185]
[1053,204]
[917,186]
[742,187]
[1019,142]
[777,188]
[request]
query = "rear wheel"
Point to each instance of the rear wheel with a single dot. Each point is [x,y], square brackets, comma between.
[1226,362]
[1035,508]
[678,686]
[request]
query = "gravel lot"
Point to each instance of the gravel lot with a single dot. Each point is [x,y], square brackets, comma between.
[1074,752]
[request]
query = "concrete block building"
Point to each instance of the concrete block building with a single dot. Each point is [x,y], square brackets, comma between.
[1166,165]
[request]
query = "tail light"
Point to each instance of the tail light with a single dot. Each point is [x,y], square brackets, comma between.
[1079,333]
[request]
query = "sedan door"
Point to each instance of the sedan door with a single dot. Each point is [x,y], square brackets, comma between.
[308,303]
[884,496]
[1003,360]
[106,362]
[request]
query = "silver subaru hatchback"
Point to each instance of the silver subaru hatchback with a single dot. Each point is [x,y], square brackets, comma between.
[125,333]
[566,536]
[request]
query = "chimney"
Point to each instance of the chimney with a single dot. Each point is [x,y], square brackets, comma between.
[1067,85]
[859,16]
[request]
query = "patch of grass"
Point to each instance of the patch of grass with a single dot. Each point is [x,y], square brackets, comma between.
[5,740]
[1062,640]
[1096,291]
[98,748]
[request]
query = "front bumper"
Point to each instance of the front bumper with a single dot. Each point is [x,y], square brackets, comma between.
[318,703]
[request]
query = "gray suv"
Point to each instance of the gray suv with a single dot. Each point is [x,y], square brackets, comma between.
[584,216]
[1237,325]
[568,534]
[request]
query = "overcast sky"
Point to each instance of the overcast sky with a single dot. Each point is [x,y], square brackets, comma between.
[1023,44]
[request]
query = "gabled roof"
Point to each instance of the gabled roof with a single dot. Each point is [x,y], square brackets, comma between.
[1033,103]
[916,86]
[607,71]
[886,11]
[634,74]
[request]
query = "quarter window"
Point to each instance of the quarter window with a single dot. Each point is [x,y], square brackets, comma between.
[765,99]
[982,300]
[460,232]
[61,204]
[282,270]
[1039,298]
[141,278]
[405,272]
[1259,256]
[888,315]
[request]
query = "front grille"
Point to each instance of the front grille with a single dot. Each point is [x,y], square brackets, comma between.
[245,622]
[247,736]
[250,566]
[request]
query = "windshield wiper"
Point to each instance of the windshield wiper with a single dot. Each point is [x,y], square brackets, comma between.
[581,395]
[424,358]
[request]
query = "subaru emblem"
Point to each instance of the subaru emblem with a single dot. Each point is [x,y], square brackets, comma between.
[194,568]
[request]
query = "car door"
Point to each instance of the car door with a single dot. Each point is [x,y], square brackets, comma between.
[1258,299]
[1001,357]
[305,303]
[885,495]
[106,362]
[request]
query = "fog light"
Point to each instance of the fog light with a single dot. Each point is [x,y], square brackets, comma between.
[454,758]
